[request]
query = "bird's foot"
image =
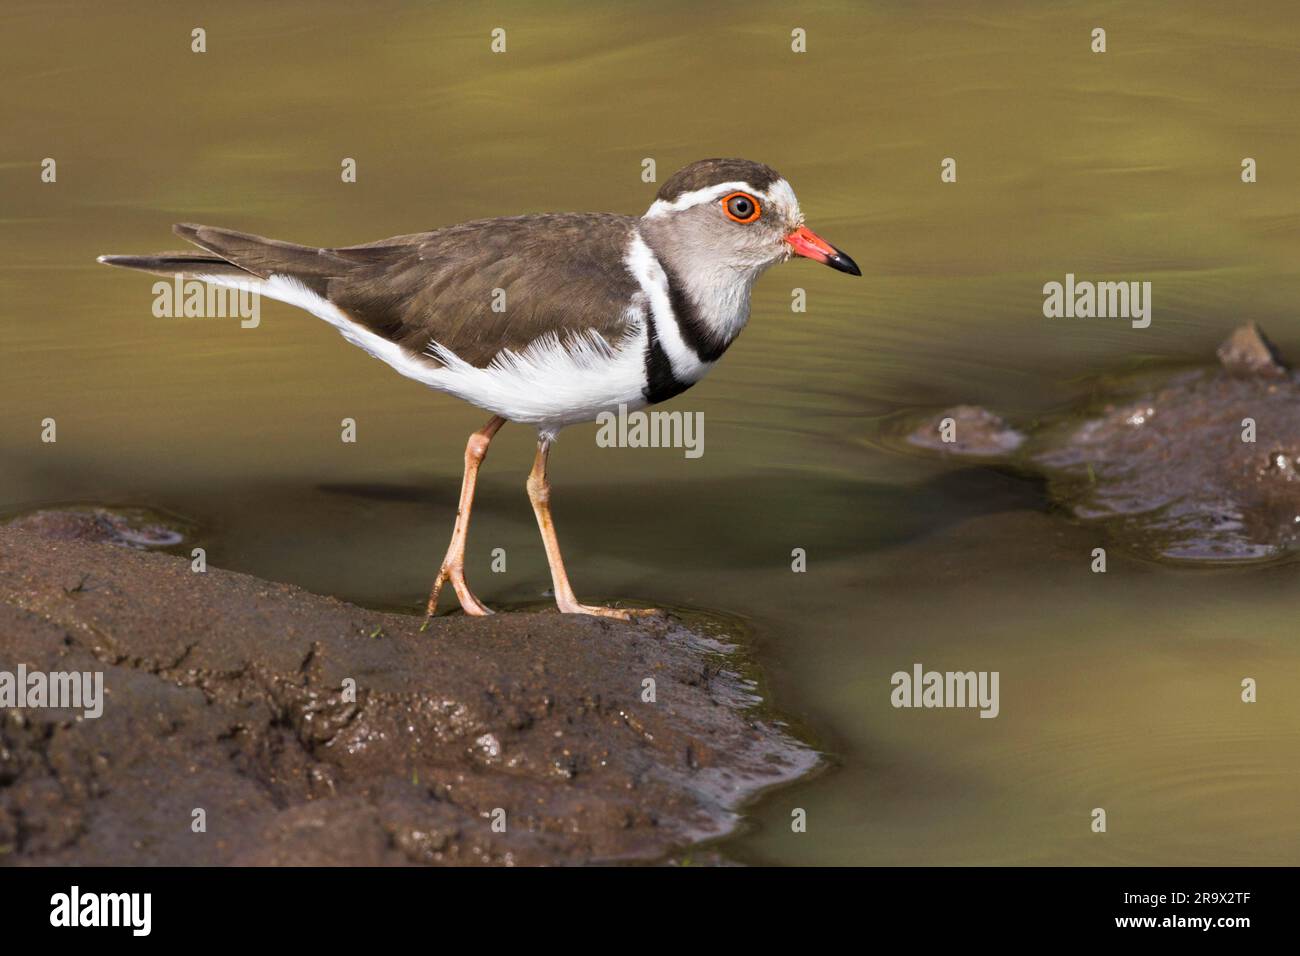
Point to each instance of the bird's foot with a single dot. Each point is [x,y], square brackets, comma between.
[619,613]
[468,602]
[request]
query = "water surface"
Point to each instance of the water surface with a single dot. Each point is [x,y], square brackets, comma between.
[1117,690]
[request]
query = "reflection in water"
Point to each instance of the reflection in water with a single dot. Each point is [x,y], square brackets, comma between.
[1117,690]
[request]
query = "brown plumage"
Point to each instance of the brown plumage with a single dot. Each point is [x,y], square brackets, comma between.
[560,273]
[711,172]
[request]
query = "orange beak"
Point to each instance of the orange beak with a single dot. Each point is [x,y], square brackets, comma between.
[804,242]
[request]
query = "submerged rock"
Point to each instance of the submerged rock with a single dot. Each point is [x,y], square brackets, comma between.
[131,528]
[310,731]
[967,430]
[1204,466]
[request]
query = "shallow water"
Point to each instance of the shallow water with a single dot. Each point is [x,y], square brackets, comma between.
[1117,690]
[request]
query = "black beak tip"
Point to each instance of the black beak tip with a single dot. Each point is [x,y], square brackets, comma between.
[843,263]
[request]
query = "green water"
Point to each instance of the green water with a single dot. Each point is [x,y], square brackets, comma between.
[1117,691]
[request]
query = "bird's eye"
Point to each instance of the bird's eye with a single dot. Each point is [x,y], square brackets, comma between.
[740,207]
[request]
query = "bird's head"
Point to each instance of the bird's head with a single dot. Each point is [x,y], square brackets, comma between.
[737,216]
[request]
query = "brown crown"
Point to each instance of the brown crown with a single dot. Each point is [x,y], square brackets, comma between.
[711,172]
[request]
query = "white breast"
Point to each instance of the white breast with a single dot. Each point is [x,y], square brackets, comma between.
[650,275]
[552,383]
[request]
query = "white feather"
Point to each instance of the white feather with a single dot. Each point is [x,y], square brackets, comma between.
[650,275]
[780,193]
[553,383]
[549,384]
[662,207]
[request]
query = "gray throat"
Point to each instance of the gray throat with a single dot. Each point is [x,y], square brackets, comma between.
[709,318]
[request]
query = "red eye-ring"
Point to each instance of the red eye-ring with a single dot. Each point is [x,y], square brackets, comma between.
[741,207]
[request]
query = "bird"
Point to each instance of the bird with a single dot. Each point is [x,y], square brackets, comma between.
[545,320]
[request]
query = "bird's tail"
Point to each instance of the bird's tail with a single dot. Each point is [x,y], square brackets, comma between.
[228,257]
[195,264]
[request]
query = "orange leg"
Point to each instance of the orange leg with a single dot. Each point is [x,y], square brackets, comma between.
[539,493]
[453,565]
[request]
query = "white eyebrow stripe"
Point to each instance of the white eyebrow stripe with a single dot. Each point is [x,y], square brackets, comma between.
[779,194]
[644,265]
[662,207]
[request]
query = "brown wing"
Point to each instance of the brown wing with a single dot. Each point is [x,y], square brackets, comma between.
[560,273]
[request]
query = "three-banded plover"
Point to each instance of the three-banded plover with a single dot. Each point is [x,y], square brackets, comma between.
[545,320]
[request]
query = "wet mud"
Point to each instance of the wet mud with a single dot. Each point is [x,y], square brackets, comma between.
[299,729]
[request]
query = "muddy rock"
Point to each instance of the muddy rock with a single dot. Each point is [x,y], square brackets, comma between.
[1247,353]
[129,528]
[1199,465]
[303,730]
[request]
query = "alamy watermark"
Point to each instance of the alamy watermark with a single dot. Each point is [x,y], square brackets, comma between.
[1102,300]
[922,688]
[133,911]
[196,299]
[70,690]
[658,429]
